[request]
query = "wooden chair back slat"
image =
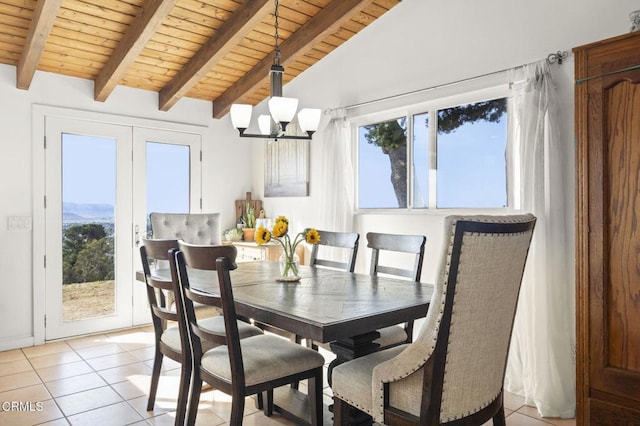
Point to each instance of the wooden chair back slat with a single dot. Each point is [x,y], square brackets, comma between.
[413,244]
[341,240]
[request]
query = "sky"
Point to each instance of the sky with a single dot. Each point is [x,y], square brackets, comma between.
[88,169]
[89,173]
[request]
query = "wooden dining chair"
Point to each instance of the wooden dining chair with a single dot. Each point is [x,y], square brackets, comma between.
[238,367]
[168,340]
[409,244]
[453,372]
[344,241]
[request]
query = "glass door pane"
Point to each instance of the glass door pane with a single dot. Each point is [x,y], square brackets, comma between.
[88,212]
[168,178]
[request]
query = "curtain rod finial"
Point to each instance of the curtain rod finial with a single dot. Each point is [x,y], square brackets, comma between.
[557,57]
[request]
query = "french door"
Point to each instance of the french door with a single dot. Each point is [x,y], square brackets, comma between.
[167,178]
[101,180]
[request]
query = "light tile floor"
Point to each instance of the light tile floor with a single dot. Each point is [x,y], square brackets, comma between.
[104,380]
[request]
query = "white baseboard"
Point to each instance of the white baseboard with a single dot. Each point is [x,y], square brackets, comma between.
[16,343]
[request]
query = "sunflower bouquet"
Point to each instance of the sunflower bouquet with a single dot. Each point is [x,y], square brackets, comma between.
[280,233]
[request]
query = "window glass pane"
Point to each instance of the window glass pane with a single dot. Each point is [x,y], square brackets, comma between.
[421,160]
[382,165]
[471,161]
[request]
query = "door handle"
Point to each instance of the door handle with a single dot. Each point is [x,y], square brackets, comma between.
[136,235]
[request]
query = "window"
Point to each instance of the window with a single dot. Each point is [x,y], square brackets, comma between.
[456,158]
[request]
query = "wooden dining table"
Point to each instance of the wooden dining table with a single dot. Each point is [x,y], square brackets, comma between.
[325,305]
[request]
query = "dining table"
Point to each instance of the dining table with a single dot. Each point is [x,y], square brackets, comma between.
[325,305]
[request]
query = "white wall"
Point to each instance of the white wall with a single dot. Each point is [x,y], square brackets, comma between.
[425,43]
[222,157]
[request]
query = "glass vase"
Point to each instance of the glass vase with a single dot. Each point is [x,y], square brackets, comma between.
[289,264]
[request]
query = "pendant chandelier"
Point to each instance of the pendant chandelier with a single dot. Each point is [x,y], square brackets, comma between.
[282,110]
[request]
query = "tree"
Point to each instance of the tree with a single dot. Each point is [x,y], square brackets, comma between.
[449,119]
[391,136]
[95,261]
[75,240]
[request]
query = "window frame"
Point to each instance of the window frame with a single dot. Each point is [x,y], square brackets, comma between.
[430,105]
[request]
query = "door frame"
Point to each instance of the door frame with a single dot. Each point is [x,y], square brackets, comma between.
[39,114]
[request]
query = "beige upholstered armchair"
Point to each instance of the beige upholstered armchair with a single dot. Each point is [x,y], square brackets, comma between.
[193,228]
[453,372]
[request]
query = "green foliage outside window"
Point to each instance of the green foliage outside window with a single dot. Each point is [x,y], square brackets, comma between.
[87,254]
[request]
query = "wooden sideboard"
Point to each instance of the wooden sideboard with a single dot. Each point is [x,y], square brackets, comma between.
[607,100]
[250,251]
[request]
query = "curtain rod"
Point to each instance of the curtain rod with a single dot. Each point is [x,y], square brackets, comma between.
[557,57]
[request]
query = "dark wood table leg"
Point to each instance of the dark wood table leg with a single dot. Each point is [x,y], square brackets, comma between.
[346,350]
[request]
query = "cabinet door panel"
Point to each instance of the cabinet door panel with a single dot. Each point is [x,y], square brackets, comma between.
[615,234]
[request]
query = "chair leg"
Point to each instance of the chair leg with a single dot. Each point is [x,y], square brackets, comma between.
[498,419]
[267,397]
[259,401]
[155,377]
[183,393]
[237,409]
[315,398]
[297,340]
[194,399]
[340,410]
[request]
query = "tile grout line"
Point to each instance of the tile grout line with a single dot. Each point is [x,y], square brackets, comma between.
[45,386]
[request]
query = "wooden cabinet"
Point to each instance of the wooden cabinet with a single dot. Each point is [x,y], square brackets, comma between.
[250,251]
[607,100]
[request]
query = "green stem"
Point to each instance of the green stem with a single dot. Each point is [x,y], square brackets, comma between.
[289,253]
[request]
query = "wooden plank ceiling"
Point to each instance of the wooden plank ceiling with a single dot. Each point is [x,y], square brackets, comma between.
[215,50]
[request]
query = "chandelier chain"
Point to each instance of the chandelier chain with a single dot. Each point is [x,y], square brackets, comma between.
[276,35]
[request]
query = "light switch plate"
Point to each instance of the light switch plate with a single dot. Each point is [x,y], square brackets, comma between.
[19,223]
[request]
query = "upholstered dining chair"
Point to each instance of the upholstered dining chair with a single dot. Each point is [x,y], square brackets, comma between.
[194,228]
[453,372]
[240,368]
[408,244]
[168,341]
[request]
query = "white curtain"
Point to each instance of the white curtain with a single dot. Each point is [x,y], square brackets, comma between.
[541,360]
[335,161]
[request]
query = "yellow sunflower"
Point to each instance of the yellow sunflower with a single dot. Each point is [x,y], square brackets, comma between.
[313,236]
[280,229]
[262,235]
[282,219]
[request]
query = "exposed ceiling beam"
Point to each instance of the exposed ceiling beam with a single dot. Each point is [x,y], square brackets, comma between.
[142,28]
[241,22]
[325,22]
[43,18]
